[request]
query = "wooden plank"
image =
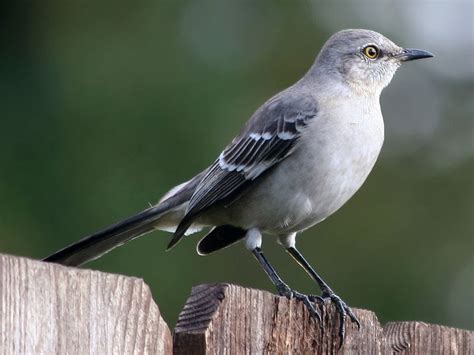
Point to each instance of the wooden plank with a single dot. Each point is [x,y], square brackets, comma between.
[228,319]
[51,309]
[422,338]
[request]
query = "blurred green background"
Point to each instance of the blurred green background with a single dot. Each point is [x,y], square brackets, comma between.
[106,105]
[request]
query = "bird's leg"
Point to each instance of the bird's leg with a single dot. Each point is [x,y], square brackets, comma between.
[253,242]
[282,288]
[327,293]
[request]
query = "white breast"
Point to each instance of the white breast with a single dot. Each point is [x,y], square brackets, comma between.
[340,149]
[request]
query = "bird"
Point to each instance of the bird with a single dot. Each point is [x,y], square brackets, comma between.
[299,158]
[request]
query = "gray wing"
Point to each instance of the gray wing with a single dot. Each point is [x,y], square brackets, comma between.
[268,137]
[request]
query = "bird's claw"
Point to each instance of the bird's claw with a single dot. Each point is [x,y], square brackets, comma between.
[308,301]
[343,309]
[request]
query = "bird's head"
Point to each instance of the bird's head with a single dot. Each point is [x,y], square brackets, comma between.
[363,59]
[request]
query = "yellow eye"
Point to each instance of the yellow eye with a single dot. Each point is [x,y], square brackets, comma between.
[371,52]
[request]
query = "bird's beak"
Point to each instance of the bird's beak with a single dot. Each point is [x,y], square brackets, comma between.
[412,54]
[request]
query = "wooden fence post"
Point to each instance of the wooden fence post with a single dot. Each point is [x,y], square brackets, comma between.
[51,309]
[423,338]
[228,319]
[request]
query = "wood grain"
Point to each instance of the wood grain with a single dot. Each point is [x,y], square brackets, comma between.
[228,319]
[422,338]
[51,309]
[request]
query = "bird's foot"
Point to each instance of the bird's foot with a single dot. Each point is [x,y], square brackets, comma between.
[342,309]
[311,302]
[308,301]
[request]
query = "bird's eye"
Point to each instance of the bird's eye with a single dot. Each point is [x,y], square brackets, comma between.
[371,52]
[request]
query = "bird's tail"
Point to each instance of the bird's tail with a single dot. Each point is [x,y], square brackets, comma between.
[165,215]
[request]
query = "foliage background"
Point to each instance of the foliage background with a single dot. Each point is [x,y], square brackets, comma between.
[106,105]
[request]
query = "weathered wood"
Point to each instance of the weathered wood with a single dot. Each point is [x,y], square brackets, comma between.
[51,309]
[228,319]
[422,338]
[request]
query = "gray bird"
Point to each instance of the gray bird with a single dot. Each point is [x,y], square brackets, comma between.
[298,159]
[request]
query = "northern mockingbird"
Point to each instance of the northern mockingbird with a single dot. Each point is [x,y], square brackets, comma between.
[298,159]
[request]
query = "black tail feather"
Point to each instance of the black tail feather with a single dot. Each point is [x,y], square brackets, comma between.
[220,237]
[99,243]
